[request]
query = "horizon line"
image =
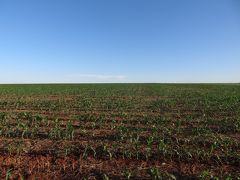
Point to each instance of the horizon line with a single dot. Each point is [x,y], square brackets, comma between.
[76,83]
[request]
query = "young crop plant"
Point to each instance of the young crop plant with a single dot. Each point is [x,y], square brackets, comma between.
[105,177]
[22,129]
[85,152]
[55,132]
[89,150]
[9,148]
[9,174]
[123,131]
[104,151]
[178,126]
[155,173]
[86,104]
[34,130]
[215,145]
[20,147]
[67,151]
[200,131]
[101,120]
[19,103]
[69,131]
[127,173]
[127,154]
[149,148]
[148,152]
[150,141]
[113,124]
[162,147]
[206,174]
[134,139]
[38,119]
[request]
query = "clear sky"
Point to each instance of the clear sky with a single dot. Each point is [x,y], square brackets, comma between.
[44,41]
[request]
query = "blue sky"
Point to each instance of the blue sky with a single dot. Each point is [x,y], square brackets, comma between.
[53,41]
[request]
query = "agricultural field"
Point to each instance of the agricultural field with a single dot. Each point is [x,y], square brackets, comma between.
[120,131]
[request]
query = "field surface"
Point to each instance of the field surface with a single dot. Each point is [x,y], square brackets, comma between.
[120,131]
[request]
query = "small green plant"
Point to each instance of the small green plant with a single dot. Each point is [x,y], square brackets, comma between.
[105,177]
[205,174]
[8,174]
[150,141]
[155,173]
[55,132]
[69,131]
[127,173]
[171,176]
